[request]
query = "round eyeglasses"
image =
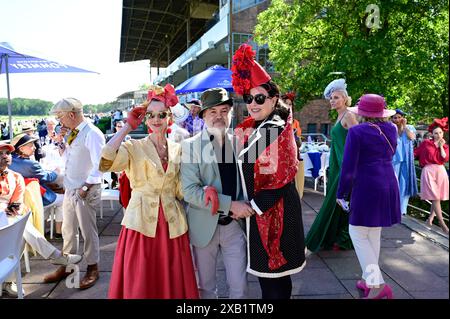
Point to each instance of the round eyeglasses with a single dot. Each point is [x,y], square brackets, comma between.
[161,115]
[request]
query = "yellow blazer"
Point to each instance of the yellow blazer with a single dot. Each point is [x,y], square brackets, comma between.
[150,185]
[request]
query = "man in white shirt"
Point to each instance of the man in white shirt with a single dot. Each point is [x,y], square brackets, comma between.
[82,183]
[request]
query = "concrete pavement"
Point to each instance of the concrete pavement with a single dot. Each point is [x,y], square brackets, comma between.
[415,265]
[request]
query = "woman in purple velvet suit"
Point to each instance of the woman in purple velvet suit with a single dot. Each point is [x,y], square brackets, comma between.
[368,176]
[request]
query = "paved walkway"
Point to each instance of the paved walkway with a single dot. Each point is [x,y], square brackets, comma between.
[415,265]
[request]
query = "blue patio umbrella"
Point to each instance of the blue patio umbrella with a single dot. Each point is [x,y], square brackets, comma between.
[15,62]
[214,76]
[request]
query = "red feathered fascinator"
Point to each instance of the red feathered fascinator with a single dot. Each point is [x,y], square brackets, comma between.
[442,123]
[166,95]
[290,96]
[247,73]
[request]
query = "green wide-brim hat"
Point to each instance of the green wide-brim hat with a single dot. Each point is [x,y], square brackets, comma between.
[214,97]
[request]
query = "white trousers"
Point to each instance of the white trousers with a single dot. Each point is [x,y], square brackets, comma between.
[366,241]
[230,240]
[38,242]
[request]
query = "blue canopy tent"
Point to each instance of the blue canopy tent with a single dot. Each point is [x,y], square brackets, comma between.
[214,76]
[15,62]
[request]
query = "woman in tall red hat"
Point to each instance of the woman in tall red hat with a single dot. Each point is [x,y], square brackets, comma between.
[267,162]
[432,155]
[153,258]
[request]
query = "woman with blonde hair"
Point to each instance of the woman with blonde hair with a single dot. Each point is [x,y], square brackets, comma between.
[153,258]
[330,228]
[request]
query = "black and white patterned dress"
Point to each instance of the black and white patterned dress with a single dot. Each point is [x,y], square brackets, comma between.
[292,239]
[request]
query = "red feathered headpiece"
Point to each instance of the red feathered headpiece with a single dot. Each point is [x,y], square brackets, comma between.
[247,73]
[442,123]
[290,96]
[165,95]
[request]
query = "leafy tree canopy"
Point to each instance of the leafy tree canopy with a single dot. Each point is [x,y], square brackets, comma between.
[401,54]
[22,106]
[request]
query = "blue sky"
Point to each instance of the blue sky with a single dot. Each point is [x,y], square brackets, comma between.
[81,33]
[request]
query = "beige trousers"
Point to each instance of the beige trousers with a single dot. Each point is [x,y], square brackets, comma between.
[79,212]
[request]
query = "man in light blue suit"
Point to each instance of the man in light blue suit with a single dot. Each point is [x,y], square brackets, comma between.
[208,160]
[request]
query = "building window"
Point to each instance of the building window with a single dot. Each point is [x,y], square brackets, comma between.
[262,52]
[312,128]
[325,129]
[239,5]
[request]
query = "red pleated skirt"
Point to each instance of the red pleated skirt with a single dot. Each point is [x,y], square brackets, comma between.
[153,268]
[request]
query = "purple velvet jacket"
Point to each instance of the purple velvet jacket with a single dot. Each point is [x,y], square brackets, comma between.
[368,178]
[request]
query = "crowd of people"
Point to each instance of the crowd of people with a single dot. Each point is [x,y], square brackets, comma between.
[216,190]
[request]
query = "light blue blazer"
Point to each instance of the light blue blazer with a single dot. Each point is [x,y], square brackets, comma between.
[199,168]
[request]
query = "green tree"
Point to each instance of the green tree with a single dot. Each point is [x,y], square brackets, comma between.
[402,55]
[22,106]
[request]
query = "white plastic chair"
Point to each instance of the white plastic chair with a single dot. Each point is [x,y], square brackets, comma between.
[52,214]
[108,194]
[324,163]
[11,244]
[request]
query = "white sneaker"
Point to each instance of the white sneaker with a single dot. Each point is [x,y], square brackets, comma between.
[66,259]
[11,289]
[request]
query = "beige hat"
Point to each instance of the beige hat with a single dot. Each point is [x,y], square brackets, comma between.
[27,127]
[68,104]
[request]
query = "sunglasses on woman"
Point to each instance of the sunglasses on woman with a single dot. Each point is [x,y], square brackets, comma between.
[162,115]
[259,98]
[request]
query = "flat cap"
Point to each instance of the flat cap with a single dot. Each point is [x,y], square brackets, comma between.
[68,104]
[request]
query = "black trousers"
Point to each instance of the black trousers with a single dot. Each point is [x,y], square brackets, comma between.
[276,288]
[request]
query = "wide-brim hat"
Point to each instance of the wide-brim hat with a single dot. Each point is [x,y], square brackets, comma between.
[372,105]
[28,128]
[22,139]
[6,145]
[214,97]
[192,103]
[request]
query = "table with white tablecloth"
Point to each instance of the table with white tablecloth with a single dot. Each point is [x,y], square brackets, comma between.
[316,164]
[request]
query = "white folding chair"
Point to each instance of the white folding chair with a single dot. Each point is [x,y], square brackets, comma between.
[11,244]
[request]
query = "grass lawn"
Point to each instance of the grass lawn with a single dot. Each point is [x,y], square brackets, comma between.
[4,118]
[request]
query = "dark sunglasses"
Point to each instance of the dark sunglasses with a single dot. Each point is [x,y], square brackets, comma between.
[162,115]
[259,98]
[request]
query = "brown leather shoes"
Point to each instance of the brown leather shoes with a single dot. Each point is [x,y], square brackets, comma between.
[57,275]
[90,277]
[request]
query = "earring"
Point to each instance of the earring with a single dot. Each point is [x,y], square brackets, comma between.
[169,124]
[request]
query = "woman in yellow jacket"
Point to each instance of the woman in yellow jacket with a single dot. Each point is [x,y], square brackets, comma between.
[153,258]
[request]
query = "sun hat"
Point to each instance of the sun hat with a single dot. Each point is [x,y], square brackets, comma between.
[22,139]
[371,105]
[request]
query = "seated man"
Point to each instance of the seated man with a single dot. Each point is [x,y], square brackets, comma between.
[12,188]
[28,168]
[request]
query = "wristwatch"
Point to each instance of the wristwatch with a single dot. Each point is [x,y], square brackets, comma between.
[84,188]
